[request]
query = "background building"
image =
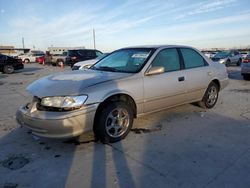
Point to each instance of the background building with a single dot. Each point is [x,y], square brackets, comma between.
[60,50]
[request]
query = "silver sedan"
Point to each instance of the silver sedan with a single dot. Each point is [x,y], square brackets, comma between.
[126,84]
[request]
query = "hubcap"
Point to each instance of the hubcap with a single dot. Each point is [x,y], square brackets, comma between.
[117,122]
[212,95]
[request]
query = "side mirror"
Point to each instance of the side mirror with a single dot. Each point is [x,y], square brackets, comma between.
[155,70]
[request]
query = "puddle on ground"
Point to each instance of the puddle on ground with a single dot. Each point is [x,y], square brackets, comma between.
[240,90]
[146,130]
[15,163]
[16,83]
[32,73]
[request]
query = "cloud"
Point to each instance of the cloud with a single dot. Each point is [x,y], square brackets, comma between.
[160,19]
[206,7]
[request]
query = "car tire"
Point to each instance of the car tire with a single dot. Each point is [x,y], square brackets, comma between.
[8,69]
[113,122]
[228,62]
[59,62]
[210,97]
[26,61]
[239,62]
[246,77]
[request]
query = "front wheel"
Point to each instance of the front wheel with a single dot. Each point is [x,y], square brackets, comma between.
[228,62]
[239,62]
[210,97]
[8,69]
[246,77]
[113,122]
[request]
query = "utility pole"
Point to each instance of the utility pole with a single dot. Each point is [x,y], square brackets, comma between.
[23,42]
[94,37]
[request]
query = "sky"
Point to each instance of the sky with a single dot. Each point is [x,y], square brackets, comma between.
[122,23]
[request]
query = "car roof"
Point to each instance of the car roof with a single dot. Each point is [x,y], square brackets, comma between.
[159,46]
[81,49]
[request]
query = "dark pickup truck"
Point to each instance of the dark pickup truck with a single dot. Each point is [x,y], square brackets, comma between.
[9,64]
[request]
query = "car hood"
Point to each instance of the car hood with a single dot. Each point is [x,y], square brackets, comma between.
[71,83]
[87,62]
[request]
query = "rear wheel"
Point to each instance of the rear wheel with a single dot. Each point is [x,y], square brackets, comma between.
[26,61]
[113,122]
[59,62]
[210,97]
[239,62]
[8,69]
[228,62]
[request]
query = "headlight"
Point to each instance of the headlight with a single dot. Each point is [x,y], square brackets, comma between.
[222,60]
[64,102]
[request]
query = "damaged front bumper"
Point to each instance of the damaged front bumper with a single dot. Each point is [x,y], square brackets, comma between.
[57,124]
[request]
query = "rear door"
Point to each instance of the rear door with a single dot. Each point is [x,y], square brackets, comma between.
[166,89]
[198,73]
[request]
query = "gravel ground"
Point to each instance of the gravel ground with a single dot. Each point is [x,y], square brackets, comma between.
[185,146]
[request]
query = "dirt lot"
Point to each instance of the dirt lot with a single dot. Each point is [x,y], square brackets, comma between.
[181,147]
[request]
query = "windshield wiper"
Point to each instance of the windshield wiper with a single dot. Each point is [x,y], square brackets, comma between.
[106,68]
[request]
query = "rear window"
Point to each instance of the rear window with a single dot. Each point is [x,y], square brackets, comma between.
[40,54]
[72,53]
[192,59]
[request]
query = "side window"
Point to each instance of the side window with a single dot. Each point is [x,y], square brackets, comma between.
[90,53]
[82,52]
[169,59]
[98,53]
[192,59]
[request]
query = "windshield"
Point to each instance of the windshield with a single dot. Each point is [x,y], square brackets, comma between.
[72,53]
[101,56]
[222,54]
[125,60]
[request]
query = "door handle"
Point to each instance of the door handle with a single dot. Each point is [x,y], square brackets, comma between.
[181,79]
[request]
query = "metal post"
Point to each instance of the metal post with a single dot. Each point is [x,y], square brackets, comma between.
[23,42]
[94,37]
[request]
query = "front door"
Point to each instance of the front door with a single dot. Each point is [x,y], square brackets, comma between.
[166,89]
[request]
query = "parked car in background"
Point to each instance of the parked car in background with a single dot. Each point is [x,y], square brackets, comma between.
[88,63]
[75,56]
[40,60]
[228,57]
[31,56]
[209,54]
[58,58]
[9,64]
[244,54]
[245,68]
[126,84]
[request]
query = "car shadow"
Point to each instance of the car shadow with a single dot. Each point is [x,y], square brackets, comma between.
[28,69]
[172,148]
[234,73]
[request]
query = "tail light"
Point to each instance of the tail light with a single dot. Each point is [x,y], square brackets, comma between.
[246,61]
